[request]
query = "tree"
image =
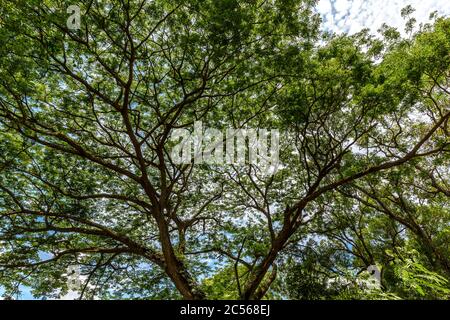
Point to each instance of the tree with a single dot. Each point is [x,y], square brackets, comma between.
[87,116]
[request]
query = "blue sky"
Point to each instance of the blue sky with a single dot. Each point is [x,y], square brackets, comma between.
[26,294]
[353,15]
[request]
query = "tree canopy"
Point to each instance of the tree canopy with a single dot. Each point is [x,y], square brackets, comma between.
[87,177]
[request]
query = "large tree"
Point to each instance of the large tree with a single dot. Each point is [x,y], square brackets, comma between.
[87,176]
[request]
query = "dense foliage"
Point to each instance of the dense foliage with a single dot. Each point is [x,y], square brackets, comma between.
[87,178]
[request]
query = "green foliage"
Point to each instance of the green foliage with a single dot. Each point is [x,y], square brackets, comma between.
[87,177]
[416,280]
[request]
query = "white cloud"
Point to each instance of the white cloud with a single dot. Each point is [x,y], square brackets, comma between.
[71,295]
[353,15]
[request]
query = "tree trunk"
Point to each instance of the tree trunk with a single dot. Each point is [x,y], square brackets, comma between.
[175,268]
